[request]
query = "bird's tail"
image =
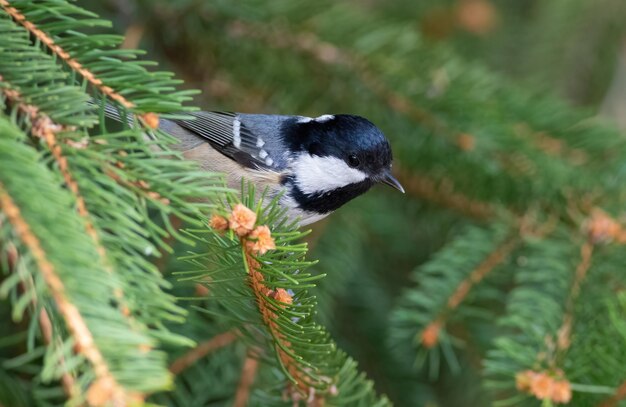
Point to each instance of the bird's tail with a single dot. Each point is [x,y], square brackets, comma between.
[187,140]
[114,113]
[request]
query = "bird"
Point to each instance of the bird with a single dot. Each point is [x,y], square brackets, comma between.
[314,165]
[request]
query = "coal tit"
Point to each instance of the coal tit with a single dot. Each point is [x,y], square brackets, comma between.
[318,164]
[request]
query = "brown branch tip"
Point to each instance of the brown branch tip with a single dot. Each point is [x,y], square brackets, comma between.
[545,385]
[601,228]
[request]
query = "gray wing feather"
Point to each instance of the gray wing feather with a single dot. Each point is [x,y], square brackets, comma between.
[232,135]
[258,145]
[216,127]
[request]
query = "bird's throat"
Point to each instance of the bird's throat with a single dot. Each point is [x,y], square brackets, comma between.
[327,201]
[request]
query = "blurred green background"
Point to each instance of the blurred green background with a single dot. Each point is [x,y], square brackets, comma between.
[452,83]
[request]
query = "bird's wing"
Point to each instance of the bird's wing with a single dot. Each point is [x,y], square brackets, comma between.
[228,135]
[249,140]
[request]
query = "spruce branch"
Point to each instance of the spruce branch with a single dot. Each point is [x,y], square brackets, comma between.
[565,331]
[105,389]
[430,334]
[617,309]
[112,72]
[70,386]
[443,193]
[149,119]
[271,295]
[441,289]
[545,354]
[615,399]
[248,374]
[64,55]
[120,168]
[92,295]
[242,222]
[45,325]
[202,350]
[552,383]
[551,146]
[43,127]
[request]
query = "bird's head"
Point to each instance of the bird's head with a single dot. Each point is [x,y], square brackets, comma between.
[337,158]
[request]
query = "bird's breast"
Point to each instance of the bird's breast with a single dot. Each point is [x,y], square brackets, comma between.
[270,181]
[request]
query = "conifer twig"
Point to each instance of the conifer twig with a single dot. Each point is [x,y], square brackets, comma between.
[248,374]
[430,334]
[426,188]
[552,384]
[269,317]
[132,36]
[64,55]
[148,118]
[613,401]
[161,262]
[484,268]
[203,349]
[42,126]
[257,240]
[67,381]
[551,146]
[139,184]
[105,387]
[565,331]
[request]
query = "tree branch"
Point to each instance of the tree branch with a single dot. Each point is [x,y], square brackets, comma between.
[430,334]
[248,374]
[443,194]
[613,401]
[203,349]
[64,55]
[44,127]
[565,331]
[27,283]
[105,388]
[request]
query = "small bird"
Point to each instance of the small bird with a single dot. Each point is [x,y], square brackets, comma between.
[318,164]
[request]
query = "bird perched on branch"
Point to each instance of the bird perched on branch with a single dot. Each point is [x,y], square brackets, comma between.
[318,164]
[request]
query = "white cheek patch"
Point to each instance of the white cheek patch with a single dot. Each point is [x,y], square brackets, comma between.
[314,174]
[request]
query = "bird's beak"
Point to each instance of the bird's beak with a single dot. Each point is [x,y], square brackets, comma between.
[388,179]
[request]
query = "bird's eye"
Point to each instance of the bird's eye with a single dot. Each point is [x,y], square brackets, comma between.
[353,161]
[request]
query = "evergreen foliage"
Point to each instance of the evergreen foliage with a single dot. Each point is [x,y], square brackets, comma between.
[496,280]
